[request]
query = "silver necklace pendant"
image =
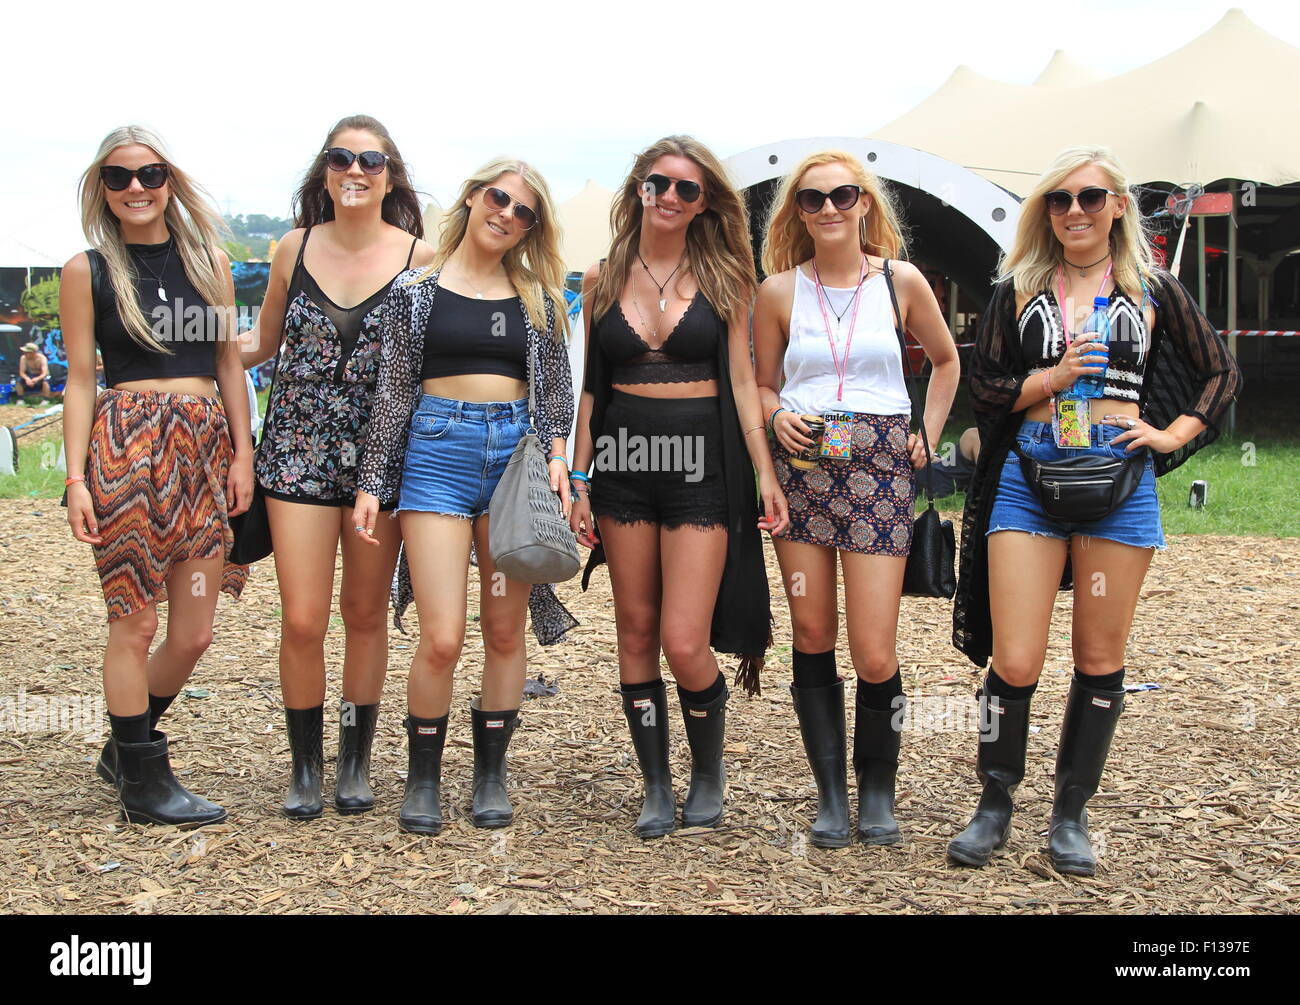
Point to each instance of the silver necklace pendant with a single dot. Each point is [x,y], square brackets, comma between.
[663,304]
[162,294]
[478,296]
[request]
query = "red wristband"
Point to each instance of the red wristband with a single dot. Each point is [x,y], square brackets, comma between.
[1047,384]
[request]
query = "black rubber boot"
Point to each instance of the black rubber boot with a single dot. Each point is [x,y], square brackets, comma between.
[106,766]
[149,792]
[821,722]
[352,792]
[647,718]
[1001,765]
[1089,726]
[306,743]
[706,726]
[876,742]
[492,733]
[421,812]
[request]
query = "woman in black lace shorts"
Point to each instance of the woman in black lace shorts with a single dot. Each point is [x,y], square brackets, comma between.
[358,226]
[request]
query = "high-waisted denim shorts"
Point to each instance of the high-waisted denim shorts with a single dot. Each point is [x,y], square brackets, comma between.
[1136,521]
[456,453]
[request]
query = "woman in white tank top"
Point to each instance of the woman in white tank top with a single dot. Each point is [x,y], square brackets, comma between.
[825,336]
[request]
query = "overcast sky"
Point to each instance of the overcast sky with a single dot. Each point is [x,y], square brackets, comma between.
[245,92]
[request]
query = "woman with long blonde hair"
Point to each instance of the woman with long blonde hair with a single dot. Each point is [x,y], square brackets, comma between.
[827,350]
[463,340]
[357,227]
[670,420]
[1161,381]
[160,460]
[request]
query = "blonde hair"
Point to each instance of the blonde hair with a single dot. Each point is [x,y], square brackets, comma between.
[786,241]
[191,218]
[534,266]
[1036,253]
[718,251]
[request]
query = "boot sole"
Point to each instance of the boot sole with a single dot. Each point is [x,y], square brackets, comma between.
[711,822]
[294,815]
[352,811]
[493,823]
[829,842]
[963,857]
[138,817]
[650,833]
[413,828]
[1073,867]
[880,839]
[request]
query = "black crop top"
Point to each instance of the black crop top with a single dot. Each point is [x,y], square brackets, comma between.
[1042,342]
[182,322]
[690,352]
[469,335]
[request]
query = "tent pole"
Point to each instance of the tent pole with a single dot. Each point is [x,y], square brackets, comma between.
[1200,260]
[952,308]
[1232,293]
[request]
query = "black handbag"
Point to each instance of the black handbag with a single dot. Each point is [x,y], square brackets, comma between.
[1082,488]
[252,528]
[933,557]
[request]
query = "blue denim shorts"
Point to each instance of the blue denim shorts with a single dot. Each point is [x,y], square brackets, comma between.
[1136,521]
[456,453]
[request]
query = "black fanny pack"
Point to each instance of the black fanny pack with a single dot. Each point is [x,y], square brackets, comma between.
[1082,488]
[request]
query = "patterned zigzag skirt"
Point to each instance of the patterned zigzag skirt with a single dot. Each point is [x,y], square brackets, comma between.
[157,479]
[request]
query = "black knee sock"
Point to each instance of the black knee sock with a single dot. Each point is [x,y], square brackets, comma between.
[702,697]
[157,706]
[130,728]
[880,697]
[999,688]
[814,669]
[1101,682]
[642,687]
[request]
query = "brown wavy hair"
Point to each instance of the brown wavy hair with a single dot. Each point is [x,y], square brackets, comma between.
[718,251]
[312,203]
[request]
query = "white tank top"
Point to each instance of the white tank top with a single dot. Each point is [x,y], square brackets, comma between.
[873,382]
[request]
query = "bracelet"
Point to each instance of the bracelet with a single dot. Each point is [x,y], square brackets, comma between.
[771,419]
[1047,384]
[558,457]
[72,479]
[751,429]
[579,476]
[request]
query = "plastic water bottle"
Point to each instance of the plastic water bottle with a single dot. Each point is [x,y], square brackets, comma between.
[1095,329]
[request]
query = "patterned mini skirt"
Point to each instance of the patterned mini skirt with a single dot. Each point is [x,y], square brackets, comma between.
[863,504]
[156,474]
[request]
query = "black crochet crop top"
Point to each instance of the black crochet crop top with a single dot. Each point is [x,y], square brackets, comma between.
[1042,342]
[689,352]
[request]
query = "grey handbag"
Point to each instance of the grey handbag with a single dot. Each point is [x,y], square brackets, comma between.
[528,536]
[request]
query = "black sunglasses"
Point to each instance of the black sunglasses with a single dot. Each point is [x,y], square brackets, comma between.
[811,200]
[341,158]
[118,178]
[1091,200]
[687,191]
[501,200]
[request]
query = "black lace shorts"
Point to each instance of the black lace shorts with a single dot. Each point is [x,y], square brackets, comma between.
[659,460]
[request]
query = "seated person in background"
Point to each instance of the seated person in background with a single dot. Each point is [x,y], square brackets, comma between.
[944,477]
[33,373]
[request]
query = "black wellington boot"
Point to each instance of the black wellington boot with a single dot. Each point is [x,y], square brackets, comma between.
[492,733]
[421,812]
[706,726]
[821,722]
[876,742]
[352,792]
[106,766]
[1000,763]
[149,792]
[647,718]
[306,744]
[1089,726]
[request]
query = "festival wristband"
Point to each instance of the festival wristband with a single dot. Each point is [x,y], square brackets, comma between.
[771,419]
[1047,384]
[579,476]
[558,457]
[73,479]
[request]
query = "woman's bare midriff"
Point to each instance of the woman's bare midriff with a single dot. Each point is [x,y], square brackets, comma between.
[203,387]
[1042,411]
[476,387]
[683,389]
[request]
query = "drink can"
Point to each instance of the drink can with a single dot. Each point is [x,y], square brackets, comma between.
[807,459]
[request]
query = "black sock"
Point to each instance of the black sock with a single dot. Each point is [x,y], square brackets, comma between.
[157,706]
[815,669]
[999,688]
[1101,682]
[880,697]
[702,697]
[130,728]
[642,687]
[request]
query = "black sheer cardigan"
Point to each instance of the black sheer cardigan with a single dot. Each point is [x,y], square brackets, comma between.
[742,618]
[1189,372]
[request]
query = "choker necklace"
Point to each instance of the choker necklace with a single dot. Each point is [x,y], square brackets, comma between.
[1083,269]
[663,301]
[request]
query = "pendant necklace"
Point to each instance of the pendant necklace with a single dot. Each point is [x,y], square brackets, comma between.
[162,292]
[663,301]
[1083,269]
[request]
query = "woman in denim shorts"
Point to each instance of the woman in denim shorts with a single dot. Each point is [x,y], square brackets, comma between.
[1167,378]
[462,342]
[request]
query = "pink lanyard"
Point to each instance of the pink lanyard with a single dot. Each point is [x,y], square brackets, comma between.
[1060,285]
[841,369]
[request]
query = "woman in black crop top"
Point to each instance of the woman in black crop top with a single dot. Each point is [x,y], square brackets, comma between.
[160,460]
[669,436]
[1169,379]
[460,341]
[357,226]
